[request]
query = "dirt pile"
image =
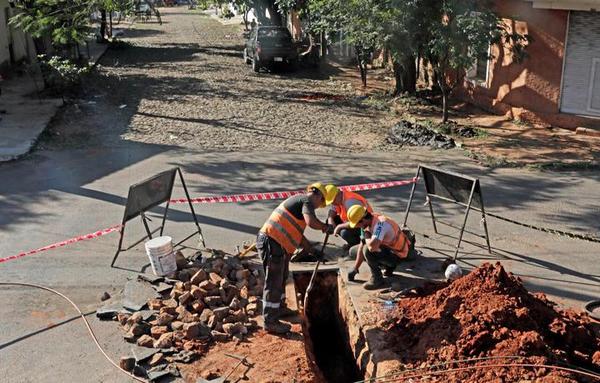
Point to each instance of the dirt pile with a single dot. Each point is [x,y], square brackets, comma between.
[489,313]
[407,133]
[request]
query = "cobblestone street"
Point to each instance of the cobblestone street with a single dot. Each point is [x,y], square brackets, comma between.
[184,83]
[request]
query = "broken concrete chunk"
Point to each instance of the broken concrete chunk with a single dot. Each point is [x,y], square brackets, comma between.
[215,278]
[180,260]
[165,341]
[185,298]
[221,312]
[176,325]
[137,294]
[184,275]
[235,304]
[197,292]
[183,357]
[145,341]
[109,310]
[213,301]
[127,363]
[242,275]
[122,318]
[150,278]
[104,296]
[198,306]
[207,285]
[191,330]
[156,359]
[164,319]
[155,304]
[244,292]
[199,277]
[138,329]
[219,336]
[205,315]
[162,287]
[157,331]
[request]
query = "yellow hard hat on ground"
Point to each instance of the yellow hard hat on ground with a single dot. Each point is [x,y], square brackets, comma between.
[321,188]
[355,214]
[331,192]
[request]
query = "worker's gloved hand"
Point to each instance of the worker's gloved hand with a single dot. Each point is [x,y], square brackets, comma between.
[329,229]
[352,274]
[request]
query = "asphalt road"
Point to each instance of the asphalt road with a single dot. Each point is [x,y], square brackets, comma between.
[71,187]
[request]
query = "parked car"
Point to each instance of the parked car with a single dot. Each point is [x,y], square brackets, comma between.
[269,45]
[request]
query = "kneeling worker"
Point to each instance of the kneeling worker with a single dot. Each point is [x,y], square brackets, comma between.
[277,240]
[341,201]
[384,244]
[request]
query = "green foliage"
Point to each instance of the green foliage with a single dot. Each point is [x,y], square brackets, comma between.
[60,74]
[66,21]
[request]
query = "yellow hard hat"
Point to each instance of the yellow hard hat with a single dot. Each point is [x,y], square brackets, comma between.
[355,214]
[331,193]
[321,188]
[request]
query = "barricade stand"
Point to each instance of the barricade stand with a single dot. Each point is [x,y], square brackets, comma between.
[451,187]
[150,193]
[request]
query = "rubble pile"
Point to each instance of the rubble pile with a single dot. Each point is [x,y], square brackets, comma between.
[212,298]
[407,133]
[489,313]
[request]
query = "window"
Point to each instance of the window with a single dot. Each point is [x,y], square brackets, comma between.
[478,73]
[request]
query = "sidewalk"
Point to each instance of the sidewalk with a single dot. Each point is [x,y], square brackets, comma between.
[24,115]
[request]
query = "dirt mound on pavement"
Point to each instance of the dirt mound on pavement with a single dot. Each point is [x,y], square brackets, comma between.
[489,313]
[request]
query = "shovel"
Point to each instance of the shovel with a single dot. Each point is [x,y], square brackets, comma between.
[312,278]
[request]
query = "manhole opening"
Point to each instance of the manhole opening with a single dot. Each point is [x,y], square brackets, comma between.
[325,330]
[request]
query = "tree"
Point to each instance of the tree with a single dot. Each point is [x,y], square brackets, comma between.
[66,21]
[463,34]
[243,7]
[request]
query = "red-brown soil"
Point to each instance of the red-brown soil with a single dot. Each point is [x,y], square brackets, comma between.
[489,313]
[271,359]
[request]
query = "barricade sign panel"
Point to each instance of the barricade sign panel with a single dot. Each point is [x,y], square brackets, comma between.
[455,188]
[148,194]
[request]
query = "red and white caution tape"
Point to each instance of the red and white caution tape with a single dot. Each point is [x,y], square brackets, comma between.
[219,199]
[287,194]
[66,242]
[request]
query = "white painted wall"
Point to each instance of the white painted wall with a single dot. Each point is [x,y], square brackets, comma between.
[22,43]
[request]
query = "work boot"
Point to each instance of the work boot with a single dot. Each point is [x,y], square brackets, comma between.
[285,311]
[277,327]
[389,271]
[352,274]
[374,284]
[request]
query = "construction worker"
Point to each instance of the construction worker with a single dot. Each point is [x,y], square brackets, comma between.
[383,244]
[277,240]
[341,201]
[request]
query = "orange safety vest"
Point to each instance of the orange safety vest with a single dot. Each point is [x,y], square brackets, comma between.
[400,243]
[284,228]
[350,199]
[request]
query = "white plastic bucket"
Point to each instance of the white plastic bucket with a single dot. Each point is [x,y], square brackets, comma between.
[161,255]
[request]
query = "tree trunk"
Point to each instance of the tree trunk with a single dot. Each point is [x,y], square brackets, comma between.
[444,90]
[397,68]
[323,39]
[245,18]
[110,25]
[362,66]
[102,25]
[410,75]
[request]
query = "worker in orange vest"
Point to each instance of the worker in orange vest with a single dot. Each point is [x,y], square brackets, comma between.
[384,244]
[277,240]
[340,201]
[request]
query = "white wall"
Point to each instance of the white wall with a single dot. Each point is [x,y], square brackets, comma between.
[22,44]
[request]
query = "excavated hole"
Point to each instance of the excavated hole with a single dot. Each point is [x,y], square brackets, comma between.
[325,331]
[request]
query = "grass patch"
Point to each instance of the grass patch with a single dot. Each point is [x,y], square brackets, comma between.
[566,166]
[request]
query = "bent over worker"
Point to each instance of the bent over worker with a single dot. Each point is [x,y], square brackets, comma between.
[341,201]
[277,240]
[384,244]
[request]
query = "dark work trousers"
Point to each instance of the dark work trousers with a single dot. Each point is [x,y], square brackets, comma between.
[276,265]
[383,258]
[351,236]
